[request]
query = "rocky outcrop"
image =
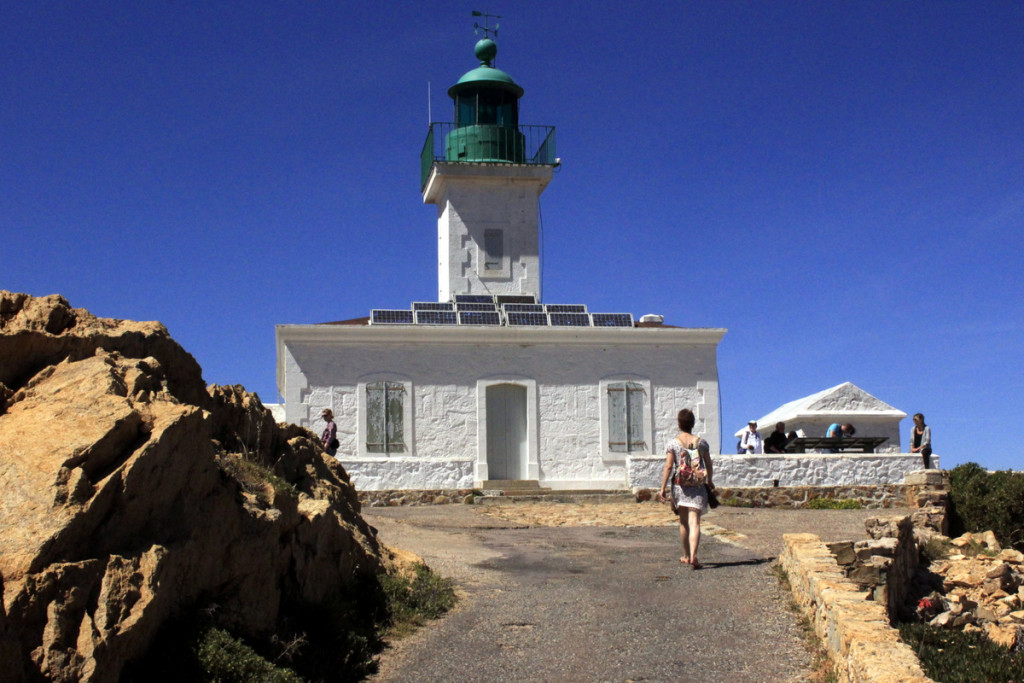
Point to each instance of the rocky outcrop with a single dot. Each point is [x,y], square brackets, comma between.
[133,494]
[982,588]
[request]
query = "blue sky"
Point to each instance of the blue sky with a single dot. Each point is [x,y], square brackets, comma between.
[840,184]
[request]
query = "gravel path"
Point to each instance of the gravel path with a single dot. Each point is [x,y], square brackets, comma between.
[556,592]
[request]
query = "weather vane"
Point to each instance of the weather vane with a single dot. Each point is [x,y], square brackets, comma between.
[485,28]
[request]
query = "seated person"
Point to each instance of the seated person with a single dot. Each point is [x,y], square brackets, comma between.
[777,440]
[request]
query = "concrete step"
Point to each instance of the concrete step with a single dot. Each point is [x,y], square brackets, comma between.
[511,484]
[505,497]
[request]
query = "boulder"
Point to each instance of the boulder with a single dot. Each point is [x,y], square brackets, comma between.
[882,547]
[1005,635]
[843,552]
[886,527]
[931,517]
[133,494]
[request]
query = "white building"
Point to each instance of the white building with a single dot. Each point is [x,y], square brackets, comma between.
[489,382]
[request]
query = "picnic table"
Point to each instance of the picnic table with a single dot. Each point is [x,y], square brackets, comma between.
[854,444]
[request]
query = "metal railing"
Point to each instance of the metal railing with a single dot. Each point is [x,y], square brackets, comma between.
[534,145]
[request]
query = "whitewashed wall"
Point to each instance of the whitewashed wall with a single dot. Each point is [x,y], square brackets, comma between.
[810,469]
[444,450]
[472,198]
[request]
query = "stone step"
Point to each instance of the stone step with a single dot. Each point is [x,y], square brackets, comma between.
[507,484]
[498,497]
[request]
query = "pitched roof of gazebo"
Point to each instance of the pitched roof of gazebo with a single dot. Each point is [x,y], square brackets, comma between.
[845,401]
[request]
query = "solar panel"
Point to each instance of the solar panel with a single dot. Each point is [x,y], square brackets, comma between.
[612,319]
[523,308]
[479,318]
[380,316]
[526,318]
[515,299]
[436,318]
[475,307]
[569,319]
[566,308]
[433,306]
[474,299]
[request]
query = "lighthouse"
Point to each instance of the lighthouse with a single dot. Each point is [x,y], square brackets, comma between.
[490,383]
[485,173]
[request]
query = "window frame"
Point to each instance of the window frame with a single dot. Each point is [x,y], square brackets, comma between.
[503,271]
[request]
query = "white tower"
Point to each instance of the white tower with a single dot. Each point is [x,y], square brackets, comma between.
[487,186]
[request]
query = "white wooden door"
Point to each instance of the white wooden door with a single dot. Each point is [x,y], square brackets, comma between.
[506,431]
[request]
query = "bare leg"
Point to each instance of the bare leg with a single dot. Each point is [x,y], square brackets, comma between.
[684,535]
[694,536]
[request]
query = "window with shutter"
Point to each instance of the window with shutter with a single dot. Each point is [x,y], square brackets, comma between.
[626,417]
[384,417]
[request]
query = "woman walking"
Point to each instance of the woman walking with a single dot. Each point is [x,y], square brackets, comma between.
[688,463]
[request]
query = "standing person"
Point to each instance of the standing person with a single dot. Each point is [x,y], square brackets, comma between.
[688,462]
[329,437]
[777,440]
[922,440]
[750,440]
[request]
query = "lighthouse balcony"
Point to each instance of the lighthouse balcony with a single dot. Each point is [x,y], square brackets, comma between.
[486,143]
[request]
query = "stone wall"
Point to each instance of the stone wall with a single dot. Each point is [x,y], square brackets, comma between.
[405,473]
[793,497]
[395,498]
[886,496]
[798,469]
[855,630]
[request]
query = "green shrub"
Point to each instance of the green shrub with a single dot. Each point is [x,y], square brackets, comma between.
[936,548]
[980,501]
[225,659]
[341,634]
[411,601]
[834,504]
[952,656]
[736,502]
[254,478]
[192,649]
[335,639]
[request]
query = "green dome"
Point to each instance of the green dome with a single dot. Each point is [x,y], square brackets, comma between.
[485,74]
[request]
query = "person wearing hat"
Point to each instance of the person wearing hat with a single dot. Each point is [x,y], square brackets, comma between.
[750,441]
[329,437]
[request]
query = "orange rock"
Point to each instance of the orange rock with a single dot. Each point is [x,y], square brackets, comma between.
[128,494]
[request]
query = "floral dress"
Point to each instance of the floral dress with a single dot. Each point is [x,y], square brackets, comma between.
[695,497]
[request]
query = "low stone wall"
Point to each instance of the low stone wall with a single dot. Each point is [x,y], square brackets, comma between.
[855,630]
[791,497]
[409,473]
[797,469]
[885,496]
[394,498]
[731,471]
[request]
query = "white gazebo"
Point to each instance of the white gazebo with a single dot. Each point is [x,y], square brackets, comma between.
[812,415]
